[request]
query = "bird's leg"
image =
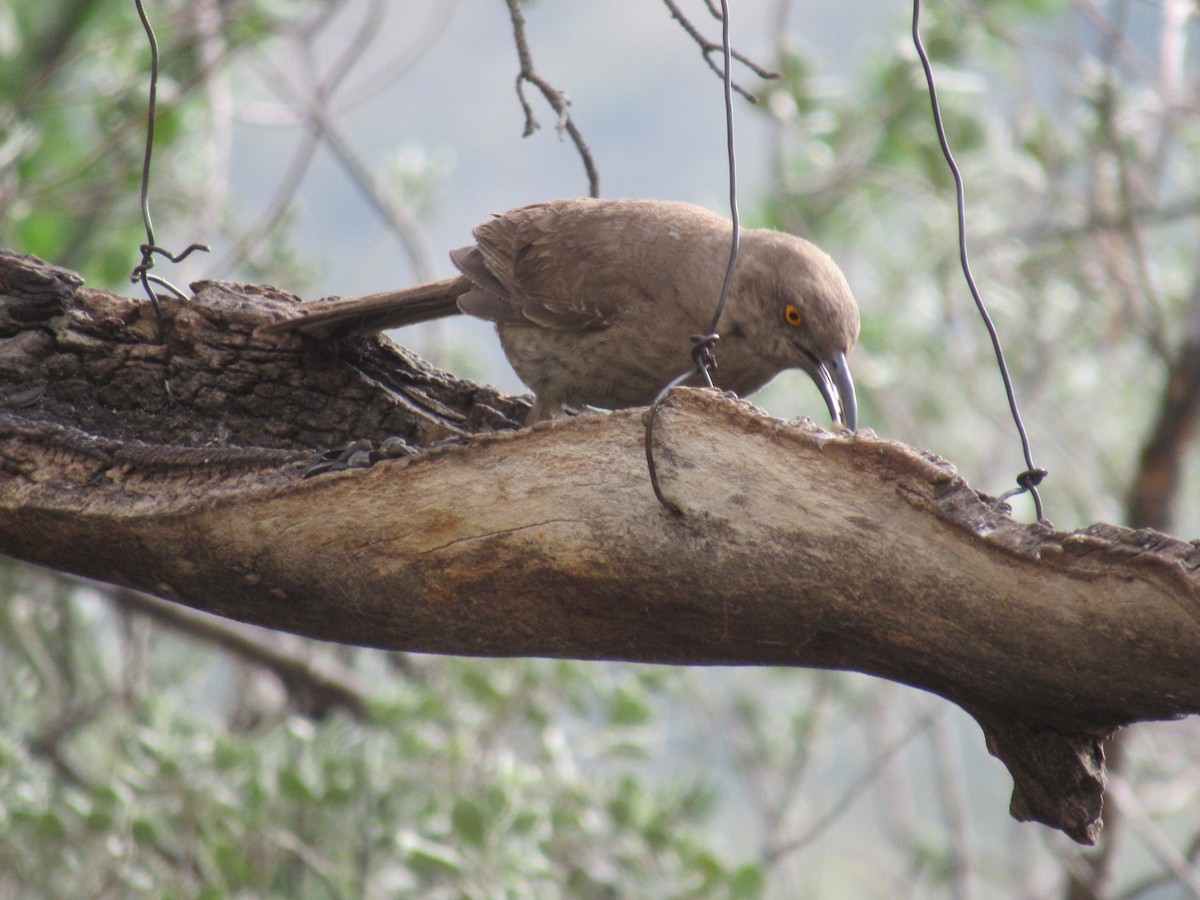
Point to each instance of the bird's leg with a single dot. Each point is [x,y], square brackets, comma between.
[544,408]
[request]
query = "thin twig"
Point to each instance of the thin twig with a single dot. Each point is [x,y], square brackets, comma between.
[1152,882]
[440,17]
[305,153]
[354,52]
[709,48]
[399,219]
[1098,220]
[277,207]
[852,793]
[1128,230]
[951,795]
[48,743]
[1113,35]
[1174,53]
[796,768]
[558,101]
[322,686]
[1152,838]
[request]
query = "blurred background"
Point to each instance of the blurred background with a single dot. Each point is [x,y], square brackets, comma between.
[343,147]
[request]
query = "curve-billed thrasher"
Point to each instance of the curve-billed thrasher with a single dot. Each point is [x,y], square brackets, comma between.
[596,302]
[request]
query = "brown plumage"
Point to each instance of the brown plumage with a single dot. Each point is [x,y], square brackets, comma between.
[596,301]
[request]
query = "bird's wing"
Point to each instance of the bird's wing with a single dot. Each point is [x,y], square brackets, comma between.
[562,265]
[487,299]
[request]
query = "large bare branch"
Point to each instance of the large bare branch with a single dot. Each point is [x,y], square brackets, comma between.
[174,468]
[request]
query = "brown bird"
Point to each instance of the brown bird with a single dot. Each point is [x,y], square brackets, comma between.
[596,302]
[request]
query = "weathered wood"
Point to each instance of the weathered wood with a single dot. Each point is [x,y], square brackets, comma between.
[173,466]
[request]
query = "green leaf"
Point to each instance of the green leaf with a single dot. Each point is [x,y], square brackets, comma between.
[99,821]
[143,832]
[480,685]
[231,860]
[294,787]
[430,861]
[50,826]
[468,821]
[626,708]
[225,754]
[524,823]
[747,882]
[108,796]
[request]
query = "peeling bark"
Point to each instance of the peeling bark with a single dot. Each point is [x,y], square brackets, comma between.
[173,466]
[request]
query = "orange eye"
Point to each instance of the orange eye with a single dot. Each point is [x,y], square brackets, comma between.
[791,315]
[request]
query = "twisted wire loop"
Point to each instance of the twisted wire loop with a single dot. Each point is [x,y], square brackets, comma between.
[1028,480]
[141,272]
[703,355]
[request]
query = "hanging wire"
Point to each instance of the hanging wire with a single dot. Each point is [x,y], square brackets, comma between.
[141,272]
[702,344]
[1032,476]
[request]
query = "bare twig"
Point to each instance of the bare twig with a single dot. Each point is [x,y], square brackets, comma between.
[441,15]
[852,793]
[48,744]
[791,217]
[1092,873]
[399,219]
[322,686]
[709,48]
[354,51]
[1113,144]
[951,795]
[316,863]
[558,101]
[796,767]
[1151,883]
[1111,29]
[1099,220]
[1171,85]
[1155,487]
[306,150]
[274,211]
[1157,844]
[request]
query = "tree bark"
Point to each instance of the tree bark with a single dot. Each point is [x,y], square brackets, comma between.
[167,456]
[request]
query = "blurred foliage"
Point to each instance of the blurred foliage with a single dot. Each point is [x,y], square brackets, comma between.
[135,761]
[1081,214]
[74,81]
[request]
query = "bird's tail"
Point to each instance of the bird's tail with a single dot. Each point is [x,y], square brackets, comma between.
[327,319]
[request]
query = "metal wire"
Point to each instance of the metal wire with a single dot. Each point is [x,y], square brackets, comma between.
[141,272]
[1032,476]
[702,344]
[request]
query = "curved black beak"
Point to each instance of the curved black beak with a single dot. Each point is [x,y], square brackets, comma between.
[837,387]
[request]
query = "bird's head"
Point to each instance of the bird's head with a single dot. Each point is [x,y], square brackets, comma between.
[799,305]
